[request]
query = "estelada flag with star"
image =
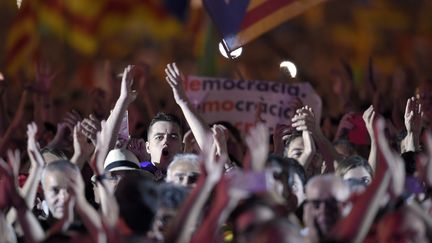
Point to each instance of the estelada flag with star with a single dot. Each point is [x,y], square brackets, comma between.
[240,21]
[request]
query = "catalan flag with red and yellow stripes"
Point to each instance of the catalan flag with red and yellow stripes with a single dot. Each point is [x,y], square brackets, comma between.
[89,27]
[22,39]
[241,21]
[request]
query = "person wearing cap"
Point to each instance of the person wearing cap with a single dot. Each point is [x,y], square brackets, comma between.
[118,164]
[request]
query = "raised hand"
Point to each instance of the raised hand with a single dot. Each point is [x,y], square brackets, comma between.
[126,91]
[369,118]
[413,116]
[175,79]
[214,161]
[305,120]
[63,137]
[257,142]
[220,139]
[33,149]
[76,184]
[345,125]
[190,143]
[413,124]
[392,159]
[82,149]
[90,127]
[44,76]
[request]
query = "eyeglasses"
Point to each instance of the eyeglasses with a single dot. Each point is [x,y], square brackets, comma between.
[316,203]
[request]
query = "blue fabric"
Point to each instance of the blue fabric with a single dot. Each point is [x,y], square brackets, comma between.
[148,166]
[228,16]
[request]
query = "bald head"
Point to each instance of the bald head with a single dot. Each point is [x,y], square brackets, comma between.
[55,184]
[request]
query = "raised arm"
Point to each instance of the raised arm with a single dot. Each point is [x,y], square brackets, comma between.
[90,127]
[82,149]
[198,126]
[345,125]
[369,118]
[87,213]
[304,121]
[63,137]
[187,218]
[42,89]
[257,142]
[109,206]
[32,230]
[127,96]
[4,141]
[37,162]
[413,124]
[389,176]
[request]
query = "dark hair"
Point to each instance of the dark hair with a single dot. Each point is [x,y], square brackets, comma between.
[161,116]
[410,162]
[171,196]
[295,134]
[352,162]
[289,167]
[137,197]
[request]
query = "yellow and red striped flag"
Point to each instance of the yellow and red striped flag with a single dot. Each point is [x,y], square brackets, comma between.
[241,21]
[22,39]
[90,27]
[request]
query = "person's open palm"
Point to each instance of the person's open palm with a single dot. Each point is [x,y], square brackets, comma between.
[175,80]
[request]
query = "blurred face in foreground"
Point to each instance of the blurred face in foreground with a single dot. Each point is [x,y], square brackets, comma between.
[164,141]
[324,204]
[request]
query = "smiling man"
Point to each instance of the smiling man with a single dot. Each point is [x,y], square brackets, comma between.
[55,186]
[164,141]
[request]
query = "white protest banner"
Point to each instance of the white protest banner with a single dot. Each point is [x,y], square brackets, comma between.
[237,101]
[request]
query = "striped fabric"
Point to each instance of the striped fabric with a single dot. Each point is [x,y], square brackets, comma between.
[241,21]
[90,27]
[22,39]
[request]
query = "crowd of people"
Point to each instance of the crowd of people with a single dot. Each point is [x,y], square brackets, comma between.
[88,180]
